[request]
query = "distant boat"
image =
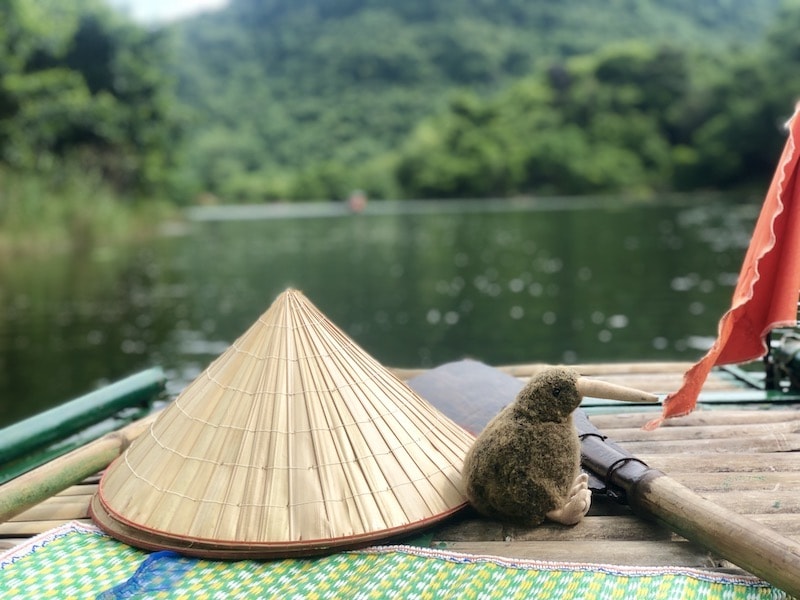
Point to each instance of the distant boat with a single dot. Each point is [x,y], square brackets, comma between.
[357,201]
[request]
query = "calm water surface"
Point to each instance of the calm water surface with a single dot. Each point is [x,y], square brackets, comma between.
[414,284]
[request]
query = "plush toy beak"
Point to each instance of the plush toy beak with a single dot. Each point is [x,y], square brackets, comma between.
[611,391]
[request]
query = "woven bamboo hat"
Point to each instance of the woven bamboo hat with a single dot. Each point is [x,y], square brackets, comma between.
[293,441]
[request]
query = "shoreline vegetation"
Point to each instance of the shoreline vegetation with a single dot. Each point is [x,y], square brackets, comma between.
[107,126]
[69,212]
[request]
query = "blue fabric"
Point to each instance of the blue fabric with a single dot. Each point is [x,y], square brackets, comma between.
[159,572]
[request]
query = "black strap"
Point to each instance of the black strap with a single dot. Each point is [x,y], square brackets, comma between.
[613,491]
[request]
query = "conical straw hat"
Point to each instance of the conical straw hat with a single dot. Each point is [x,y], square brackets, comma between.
[293,441]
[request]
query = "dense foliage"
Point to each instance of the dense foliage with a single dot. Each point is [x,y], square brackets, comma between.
[632,117]
[79,86]
[311,99]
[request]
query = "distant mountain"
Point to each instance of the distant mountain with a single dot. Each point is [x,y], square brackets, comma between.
[273,87]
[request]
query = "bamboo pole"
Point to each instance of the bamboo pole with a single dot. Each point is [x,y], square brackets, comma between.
[55,424]
[35,486]
[752,546]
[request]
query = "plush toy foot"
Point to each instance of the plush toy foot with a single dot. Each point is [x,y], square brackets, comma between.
[578,503]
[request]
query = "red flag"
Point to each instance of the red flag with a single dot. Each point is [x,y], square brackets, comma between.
[767,290]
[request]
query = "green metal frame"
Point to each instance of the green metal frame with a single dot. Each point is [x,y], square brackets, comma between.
[38,439]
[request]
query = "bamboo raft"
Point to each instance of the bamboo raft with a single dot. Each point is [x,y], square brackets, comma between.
[741,457]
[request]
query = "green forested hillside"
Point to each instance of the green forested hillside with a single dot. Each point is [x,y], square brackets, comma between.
[78,83]
[311,97]
[88,122]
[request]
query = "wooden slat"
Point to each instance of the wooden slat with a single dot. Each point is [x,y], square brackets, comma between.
[649,376]
[740,481]
[759,502]
[673,462]
[711,433]
[664,383]
[590,528]
[79,490]
[611,422]
[742,445]
[18,529]
[786,523]
[599,527]
[56,508]
[604,369]
[601,370]
[471,529]
[642,553]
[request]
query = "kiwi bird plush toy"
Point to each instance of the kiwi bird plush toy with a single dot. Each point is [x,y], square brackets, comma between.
[524,466]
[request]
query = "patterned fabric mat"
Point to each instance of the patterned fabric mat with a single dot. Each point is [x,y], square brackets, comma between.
[79,561]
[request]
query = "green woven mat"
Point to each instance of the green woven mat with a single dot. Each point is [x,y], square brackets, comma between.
[76,561]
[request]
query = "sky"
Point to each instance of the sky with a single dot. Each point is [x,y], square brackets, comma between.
[160,11]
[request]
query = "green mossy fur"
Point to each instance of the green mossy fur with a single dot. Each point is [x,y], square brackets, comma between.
[525,461]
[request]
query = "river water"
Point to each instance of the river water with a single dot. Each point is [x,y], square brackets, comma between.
[415,284]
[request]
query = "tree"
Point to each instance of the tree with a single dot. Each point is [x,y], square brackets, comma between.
[345,81]
[79,85]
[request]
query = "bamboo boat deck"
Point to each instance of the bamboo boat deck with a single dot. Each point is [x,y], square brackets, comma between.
[744,459]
